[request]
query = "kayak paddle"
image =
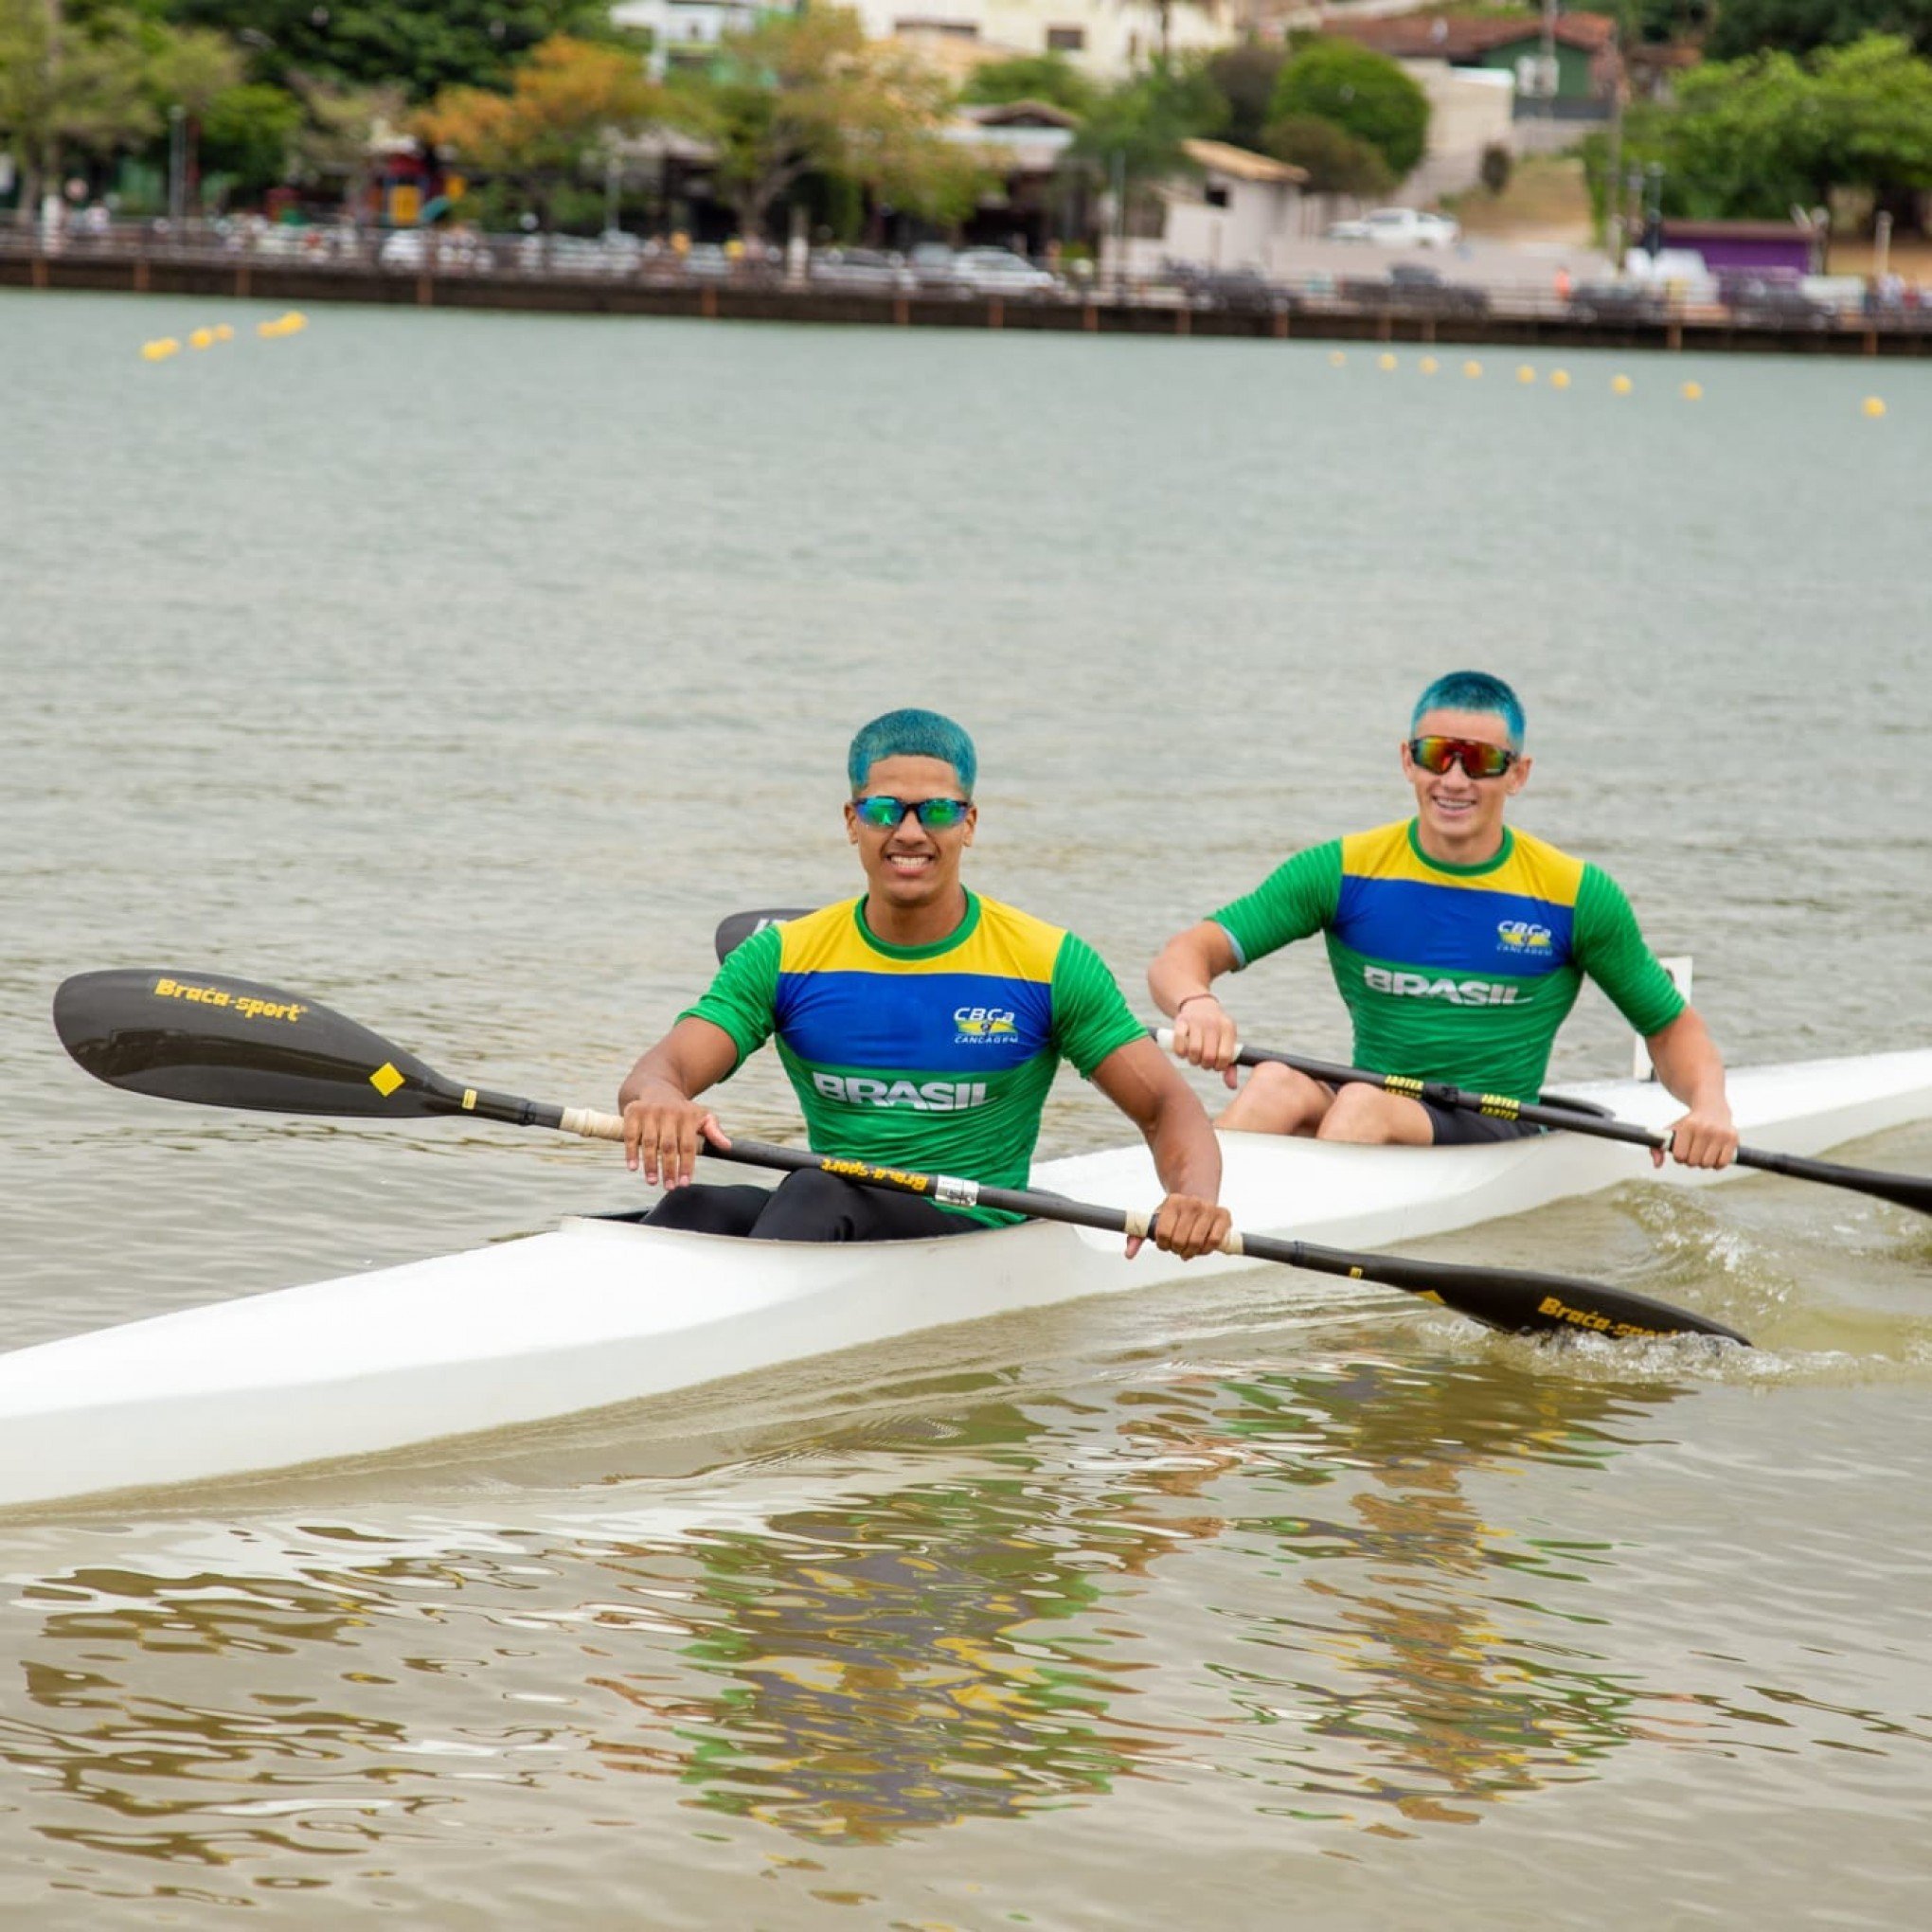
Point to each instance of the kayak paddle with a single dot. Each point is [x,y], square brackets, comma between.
[1905,1190]
[733,931]
[206,1038]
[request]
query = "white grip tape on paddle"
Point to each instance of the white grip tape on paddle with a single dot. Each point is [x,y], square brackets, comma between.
[593,1125]
[1164,1039]
[1139,1226]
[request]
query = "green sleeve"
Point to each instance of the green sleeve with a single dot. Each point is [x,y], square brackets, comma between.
[743,999]
[1611,949]
[1091,1018]
[1294,900]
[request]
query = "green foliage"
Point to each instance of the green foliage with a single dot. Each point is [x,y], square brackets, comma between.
[1244,76]
[1361,92]
[1337,161]
[65,85]
[570,96]
[1797,27]
[1754,137]
[1052,78]
[423,47]
[1496,166]
[808,93]
[1136,128]
[248,133]
[187,66]
[1664,21]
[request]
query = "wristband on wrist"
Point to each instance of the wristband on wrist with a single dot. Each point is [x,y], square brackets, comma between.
[1191,998]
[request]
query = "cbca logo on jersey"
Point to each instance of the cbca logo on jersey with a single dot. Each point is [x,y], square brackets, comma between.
[1523,935]
[980,1023]
[1420,986]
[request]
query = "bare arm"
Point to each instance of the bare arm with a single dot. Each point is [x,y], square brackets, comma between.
[662,1121]
[1181,980]
[1690,1065]
[1141,1082]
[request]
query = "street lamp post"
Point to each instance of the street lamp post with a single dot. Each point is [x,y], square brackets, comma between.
[177,166]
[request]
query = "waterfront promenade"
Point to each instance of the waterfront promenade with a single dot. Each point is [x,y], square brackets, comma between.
[1425,304]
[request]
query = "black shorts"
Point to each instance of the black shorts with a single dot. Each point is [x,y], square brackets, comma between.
[810,1204]
[1463,1127]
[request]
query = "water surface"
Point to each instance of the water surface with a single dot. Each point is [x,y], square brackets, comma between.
[464,671]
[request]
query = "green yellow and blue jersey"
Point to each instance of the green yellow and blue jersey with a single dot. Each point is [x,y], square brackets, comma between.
[1460,974]
[933,1058]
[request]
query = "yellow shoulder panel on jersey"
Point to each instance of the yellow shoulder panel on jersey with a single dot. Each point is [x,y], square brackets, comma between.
[1004,940]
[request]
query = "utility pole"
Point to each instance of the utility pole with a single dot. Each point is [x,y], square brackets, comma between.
[1612,185]
[177,167]
[1548,76]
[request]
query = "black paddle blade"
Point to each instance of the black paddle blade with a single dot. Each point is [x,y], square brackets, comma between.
[733,931]
[220,1042]
[1516,1300]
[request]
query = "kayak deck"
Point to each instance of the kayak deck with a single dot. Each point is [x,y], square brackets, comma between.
[599,1312]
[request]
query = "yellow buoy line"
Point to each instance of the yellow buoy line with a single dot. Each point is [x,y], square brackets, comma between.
[290,322]
[1691,391]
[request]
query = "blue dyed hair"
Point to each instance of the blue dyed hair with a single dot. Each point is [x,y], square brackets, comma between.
[1472,691]
[912,734]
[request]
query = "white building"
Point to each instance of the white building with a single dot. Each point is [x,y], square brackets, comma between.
[1106,39]
[688,28]
[1239,210]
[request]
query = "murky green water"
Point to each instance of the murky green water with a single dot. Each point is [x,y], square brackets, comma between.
[464,671]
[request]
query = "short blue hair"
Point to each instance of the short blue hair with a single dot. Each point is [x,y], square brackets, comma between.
[1472,691]
[912,734]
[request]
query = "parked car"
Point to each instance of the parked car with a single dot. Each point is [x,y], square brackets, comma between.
[1679,273]
[1618,303]
[453,250]
[1416,291]
[871,269]
[1000,271]
[1399,228]
[1243,289]
[708,260]
[931,263]
[1762,302]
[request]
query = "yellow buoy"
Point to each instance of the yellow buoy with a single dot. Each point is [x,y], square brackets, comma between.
[1384,362]
[1525,373]
[1620,385]
[1471,368]
[1337,357]
[1691,391]
[160,348]
[223,332]
[1558,379]
[1874,406]
[1428,365]
[202,338]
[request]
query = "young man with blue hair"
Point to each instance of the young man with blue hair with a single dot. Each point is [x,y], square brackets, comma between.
[921,1027]
[1458,945]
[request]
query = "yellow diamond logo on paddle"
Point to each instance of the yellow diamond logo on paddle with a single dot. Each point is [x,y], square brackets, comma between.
[385,1079]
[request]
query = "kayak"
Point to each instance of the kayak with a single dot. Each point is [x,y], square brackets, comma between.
[604,1311]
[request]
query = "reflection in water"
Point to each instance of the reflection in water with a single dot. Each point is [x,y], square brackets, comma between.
[1427,1705]
[1315,1584]
[939,1659]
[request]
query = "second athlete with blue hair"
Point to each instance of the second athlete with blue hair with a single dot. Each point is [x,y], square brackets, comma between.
[1458,945]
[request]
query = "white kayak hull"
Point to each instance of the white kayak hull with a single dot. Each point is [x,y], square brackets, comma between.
[599,1312]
